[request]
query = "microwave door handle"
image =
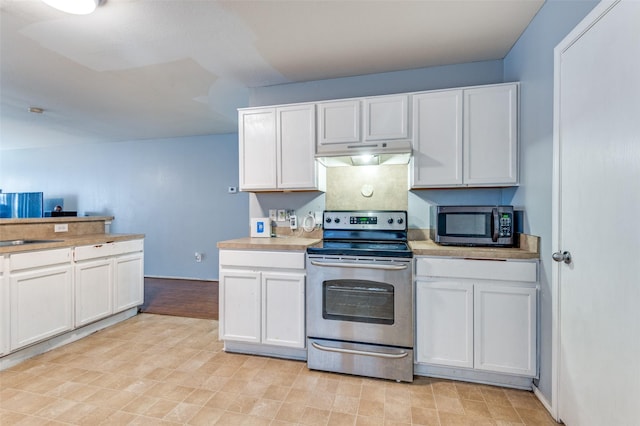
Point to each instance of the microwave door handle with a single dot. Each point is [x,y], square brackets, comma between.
[495,225]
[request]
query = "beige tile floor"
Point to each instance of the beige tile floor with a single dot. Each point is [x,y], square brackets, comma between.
[155,370]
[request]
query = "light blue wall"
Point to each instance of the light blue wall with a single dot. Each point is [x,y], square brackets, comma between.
[469,74]
[172,190]
[531,62]
[432,78]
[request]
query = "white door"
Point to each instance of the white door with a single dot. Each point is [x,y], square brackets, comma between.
[41,304]
[240,306]
[283,309]
[338,122]
[490,139]
[94,290]
[505,328]
[437,139]
[128,287]
[444,323]
[596,211]
[296,147]
[386,118]
[257,144]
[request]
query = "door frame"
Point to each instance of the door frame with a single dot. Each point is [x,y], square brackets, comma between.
[599,11]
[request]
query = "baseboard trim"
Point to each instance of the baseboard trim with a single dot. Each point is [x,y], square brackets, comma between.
[160,277]
[545,402]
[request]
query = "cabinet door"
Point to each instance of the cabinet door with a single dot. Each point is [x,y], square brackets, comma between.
[94,290]
[491,135]
[437,139]
[257,141]
[296,148]
[128,283]
[283,307]
[444,323]
[386,118]
[5,319]
[239,306]
[505,329]
[338,122]
[41,304]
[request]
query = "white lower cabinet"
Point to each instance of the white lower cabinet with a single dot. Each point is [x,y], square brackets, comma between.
[239,308]
[477,314]
[283,308]
[94,290]
[262,298]
[109,278]
[505,329]
[5,318]
[444,314]
[128,285]
[41,287]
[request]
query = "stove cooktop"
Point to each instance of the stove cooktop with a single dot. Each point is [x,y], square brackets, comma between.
[362,248]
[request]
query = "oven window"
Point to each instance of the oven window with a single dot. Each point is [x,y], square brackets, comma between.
[358,301]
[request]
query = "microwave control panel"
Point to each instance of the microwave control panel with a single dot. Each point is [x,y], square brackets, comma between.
[505,225]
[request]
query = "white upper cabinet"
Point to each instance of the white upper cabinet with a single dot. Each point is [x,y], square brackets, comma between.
[277,148]
[338,122]
[491,135]
[437,139]
[295,138]
[386,118]
[353,126]
[465,137]
[257,138]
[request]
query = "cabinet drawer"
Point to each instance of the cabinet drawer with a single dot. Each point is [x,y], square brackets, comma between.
[37,259]
[477,269]
[95,251]
[132,246]
[262,259]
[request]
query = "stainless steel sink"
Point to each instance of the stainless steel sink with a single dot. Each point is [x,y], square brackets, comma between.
[9,243]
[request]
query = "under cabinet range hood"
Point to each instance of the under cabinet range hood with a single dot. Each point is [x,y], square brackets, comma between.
[365,153]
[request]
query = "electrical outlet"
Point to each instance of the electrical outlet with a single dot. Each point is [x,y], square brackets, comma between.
[198,257]
[293,221]
[61,227]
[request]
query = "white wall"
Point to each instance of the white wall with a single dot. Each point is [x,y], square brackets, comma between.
[531,62]
[172,190]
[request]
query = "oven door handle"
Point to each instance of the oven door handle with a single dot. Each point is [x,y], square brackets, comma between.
[403,354]
[387,267]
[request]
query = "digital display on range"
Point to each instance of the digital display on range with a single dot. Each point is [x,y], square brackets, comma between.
[363,220]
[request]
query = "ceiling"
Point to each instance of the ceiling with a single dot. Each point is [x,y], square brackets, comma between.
[148,69]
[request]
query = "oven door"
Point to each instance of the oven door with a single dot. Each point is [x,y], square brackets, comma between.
[367,300]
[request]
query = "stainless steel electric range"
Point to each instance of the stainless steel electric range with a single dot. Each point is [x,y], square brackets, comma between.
[360,296]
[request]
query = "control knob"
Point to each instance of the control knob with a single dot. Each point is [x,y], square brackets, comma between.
[400,221]
[328,220]
[390,221]
[337,220]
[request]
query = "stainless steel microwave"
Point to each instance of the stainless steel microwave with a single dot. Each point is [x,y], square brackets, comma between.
[490,226]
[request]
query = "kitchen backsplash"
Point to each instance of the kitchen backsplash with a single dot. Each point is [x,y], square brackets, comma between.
[381,187]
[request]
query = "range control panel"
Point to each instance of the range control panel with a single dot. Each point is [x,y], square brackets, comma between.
[387,220]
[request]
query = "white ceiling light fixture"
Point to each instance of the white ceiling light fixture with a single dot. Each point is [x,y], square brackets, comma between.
[76,7]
